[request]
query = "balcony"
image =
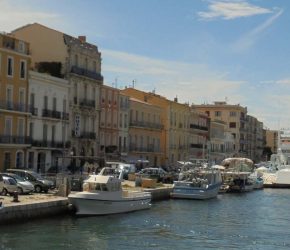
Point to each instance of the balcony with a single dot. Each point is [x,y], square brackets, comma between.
[51,114]
[87,73]
[33,111]
[149,148]
[195,126]
[50,144]
[197,145]
[85,135]
[7,139]
[146,125]
[14,106]
[87,103]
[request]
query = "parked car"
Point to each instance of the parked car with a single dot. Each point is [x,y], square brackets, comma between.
[23,186]
[40,184]
[155,173]
[10,185]
[1,184]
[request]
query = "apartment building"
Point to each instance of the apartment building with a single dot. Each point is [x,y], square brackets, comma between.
[221,142]
[199,129]
[124,112]
[272,140]
[109,129]
[79,62]
[145,131]
[235,118]
[14,111]
[49,122]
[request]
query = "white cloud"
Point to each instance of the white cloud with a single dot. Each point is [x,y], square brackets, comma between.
[249,39]
[190,82]
[13,15]
[231,9]
[284,82]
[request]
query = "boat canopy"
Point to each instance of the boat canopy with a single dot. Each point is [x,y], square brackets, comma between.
[238,164]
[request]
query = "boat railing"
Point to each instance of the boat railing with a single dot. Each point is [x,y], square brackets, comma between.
[134,194]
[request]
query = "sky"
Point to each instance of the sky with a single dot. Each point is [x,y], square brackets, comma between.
[199,51]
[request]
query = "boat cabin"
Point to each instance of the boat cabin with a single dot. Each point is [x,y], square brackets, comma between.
[97,183]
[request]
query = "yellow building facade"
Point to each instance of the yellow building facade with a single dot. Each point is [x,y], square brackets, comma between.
[175,117]
[145,131]
[14,111]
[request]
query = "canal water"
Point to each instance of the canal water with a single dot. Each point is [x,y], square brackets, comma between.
[256,220]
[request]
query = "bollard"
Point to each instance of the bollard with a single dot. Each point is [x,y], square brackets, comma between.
[15,196]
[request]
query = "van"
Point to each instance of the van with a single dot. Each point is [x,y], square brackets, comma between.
[40,184]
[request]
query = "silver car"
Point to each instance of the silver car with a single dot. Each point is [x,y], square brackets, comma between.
[23,186]
[10,185]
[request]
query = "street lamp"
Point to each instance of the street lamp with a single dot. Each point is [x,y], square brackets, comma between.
[72,162]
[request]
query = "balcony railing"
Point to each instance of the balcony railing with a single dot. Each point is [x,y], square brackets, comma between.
[9,139]
[195,126]
[146,125]
[50,144]
[33,111]
[197,145]
[149,148]
[14,106]
[86,73]
[85,135]
[51,113]
[87,103]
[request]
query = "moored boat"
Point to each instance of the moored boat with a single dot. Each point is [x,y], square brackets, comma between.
[198,183]
[103,194]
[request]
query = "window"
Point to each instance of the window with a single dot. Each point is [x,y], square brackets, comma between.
[45,102]
[44,132]
[207,112]
[53,133]
[7,160]
[64,105]
[20,127]
[54,104]
[21,46]
[125,121]
[234,135]
[23,69]
[232,125]
[10,66]
[32,100]
[233,113]
[22,99]
[8,126]
[121,121]
[31,126]
[9,102]
[218,113]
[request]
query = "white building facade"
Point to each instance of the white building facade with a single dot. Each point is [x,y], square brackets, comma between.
[49,123]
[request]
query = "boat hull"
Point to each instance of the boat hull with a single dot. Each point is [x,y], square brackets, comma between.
[85,206]
[185,192]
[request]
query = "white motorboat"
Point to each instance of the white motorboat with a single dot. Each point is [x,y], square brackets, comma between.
[199,183]
[103,194]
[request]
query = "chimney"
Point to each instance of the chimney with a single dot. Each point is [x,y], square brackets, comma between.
[175,99]
[82,39]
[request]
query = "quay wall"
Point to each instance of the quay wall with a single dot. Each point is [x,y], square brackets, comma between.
[159,193]
[21,212]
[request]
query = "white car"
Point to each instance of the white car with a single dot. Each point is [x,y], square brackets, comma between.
[23,186]
[10,185]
